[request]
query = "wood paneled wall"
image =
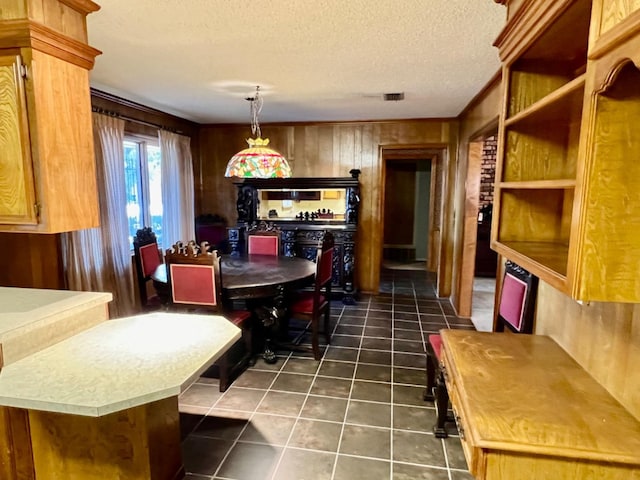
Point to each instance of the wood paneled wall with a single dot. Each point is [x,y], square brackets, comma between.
[604,338]
[332,149]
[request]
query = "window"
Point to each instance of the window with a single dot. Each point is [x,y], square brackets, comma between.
[142,180]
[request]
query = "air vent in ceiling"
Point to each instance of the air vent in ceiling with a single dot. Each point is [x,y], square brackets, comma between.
[393,97]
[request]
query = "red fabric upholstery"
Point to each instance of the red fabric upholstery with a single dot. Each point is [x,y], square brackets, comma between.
[263,245]
[326,261]
[435,340]
[304,303]
[237,317]
[149,258]
[193,284]
[514,292]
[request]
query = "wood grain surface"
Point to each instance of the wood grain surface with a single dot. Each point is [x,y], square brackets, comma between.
[560,421]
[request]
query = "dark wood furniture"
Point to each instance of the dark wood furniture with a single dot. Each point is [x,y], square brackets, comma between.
[311,306]
[262,282]
[263,239]
[212,228]
[195,284]
[304,209]
[147,257]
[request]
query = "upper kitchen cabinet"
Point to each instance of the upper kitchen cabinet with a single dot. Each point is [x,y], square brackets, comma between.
[47,162]
[567,178]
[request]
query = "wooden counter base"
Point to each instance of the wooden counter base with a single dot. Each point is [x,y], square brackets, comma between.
[139,443]
[527,411]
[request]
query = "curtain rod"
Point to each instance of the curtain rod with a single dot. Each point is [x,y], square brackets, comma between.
[134,120]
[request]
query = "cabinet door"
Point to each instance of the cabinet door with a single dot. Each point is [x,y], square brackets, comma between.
[17,195]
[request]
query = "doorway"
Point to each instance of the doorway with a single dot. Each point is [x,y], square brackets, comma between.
[479,262]
[406,220]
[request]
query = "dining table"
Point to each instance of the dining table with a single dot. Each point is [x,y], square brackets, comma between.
[263,282]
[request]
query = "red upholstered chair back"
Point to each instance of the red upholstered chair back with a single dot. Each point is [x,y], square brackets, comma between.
[517,300]
[194,276]
[147,257]
[324,269]
[263,245]
[263,239]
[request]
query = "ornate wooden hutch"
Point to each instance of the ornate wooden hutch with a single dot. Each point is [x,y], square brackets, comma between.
[303,209]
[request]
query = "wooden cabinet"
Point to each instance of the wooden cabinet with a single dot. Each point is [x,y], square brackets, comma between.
[566,175]
[47,163]
[304,209]
[559,423]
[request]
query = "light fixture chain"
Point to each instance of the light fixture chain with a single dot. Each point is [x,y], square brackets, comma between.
[256,107]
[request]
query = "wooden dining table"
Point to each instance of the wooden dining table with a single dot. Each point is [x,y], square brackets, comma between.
[262,281]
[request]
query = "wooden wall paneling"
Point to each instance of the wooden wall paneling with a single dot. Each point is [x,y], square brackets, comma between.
[368,234]
[327,149]
[604,338]
[31,261]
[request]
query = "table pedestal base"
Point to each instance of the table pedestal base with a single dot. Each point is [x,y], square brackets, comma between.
[139,443]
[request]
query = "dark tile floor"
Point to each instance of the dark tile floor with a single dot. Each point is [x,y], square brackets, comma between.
[358,413]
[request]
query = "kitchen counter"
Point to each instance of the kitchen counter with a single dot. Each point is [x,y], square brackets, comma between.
[107,397]
[118,364]
[32,319]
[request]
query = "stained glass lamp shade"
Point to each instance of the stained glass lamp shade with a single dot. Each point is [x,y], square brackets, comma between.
[258,161]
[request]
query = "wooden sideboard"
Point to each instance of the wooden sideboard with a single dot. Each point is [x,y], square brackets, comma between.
[526,410]
[303,209]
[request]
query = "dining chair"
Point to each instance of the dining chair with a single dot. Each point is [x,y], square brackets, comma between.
[148,257]
[195,284]
[310,306]
[263,239]
[515,312]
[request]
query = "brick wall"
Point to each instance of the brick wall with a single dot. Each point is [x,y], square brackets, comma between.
[488,170]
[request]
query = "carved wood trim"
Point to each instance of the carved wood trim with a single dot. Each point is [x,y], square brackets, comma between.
[530,19]
[29,34]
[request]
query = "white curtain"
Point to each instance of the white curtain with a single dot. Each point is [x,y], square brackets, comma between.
[178,209]
[99,259]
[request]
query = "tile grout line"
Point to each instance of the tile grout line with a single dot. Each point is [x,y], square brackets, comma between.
[295,423]
[346,412]
[235,442]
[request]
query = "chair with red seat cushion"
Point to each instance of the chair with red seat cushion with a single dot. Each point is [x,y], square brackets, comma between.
[263,239]
[147,258]
[195,283]
[515,312]
[310,306]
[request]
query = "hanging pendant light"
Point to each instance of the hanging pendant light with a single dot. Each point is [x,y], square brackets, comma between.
[257,161]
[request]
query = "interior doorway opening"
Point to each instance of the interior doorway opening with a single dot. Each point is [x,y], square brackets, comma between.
[479,262]
[406,220]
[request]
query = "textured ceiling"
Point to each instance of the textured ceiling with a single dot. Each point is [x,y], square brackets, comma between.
[315,60]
